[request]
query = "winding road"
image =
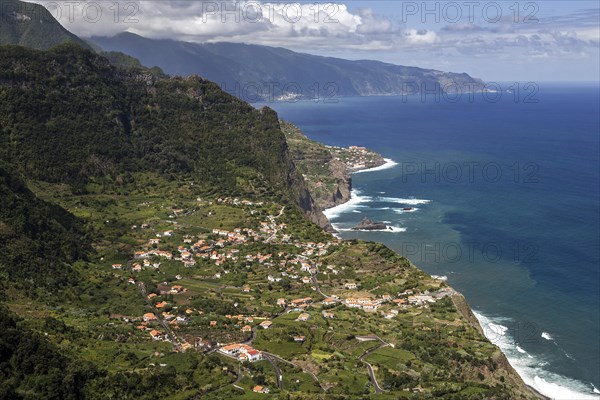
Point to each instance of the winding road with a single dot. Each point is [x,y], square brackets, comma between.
[372,376]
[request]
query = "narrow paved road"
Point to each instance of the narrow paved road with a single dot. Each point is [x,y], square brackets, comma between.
[316,283]
[313,376]
[174,339]
[370,370]
[278,374]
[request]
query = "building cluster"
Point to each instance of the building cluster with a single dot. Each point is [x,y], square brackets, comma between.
[242,352]
[355,157]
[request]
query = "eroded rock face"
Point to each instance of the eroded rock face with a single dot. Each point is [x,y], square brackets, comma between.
[367,225]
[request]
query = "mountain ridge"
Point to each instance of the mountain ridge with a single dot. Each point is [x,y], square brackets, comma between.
[128,121]
[31,25]
[256,72]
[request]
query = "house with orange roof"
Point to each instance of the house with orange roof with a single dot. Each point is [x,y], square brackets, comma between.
[266,324]
[231,350]
[251,355]
[149,317]
[303,302]
[176,289]
[156,335]
[260,389]
[303,317]
[329,301]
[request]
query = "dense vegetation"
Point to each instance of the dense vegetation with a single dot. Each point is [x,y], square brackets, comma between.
[126,62]
[31,363]
[67,115]
[31,25]
[37,239]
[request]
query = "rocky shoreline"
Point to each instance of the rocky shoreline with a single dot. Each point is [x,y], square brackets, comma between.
[367,225]
[328,171]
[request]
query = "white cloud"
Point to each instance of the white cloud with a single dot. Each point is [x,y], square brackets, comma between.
[283,24]
[333,28]
[425,37]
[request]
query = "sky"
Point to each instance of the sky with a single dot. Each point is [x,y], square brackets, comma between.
[497,41]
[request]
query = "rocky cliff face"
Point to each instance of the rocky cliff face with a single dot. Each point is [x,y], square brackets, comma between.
[343,184]
[500,362]
[303,197]
[326,169]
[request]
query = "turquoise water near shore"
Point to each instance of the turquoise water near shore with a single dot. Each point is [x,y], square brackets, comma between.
[501,198]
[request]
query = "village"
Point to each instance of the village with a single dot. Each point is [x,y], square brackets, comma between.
[219,254]
[356,158]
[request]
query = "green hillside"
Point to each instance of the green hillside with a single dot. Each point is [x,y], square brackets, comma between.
[148,222]
[69,116]
[37,239]
[31,25]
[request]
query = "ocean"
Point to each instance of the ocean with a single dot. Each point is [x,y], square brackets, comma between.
[500,197]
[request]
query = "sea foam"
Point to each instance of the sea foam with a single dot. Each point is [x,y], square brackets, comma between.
[529,367]
[356,201]
[400,200]
[403,211]
[389,229]
[389,163]
[547,336]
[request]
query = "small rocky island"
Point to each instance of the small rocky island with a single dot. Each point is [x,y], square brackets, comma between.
[367,225]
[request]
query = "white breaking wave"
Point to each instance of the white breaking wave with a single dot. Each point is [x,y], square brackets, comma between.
[356,201]
[389,163]
[399,200]
[390,229]
[547,336]
[402,211]
[548,383]
[522,351]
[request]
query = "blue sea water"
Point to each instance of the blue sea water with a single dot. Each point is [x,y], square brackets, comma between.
[504,201]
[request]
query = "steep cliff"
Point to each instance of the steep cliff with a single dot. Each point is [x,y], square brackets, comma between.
[327,169]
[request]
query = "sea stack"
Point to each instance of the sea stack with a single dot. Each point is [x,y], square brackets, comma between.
[367,225]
